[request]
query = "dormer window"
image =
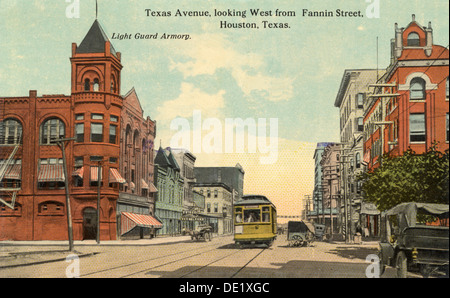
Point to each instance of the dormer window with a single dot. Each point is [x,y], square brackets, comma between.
[413,40]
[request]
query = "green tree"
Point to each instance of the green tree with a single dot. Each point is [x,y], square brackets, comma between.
[409,177]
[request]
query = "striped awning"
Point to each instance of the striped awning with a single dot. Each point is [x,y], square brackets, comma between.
[94,174]
[144,184]
[51,173]
[152,188]
[131,220]
[13,172]
[79,172]
[115,177]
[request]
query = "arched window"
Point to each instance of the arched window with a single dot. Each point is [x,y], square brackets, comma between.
[413,40]
[10,132]
[87,85]
[96,85]
[51,129]
[417,89]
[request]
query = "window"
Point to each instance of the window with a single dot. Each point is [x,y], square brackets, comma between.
[114,118]
[112,134]
[208,193]
[51,130]
[265,214]
[360,100]
[446,89]
[417,89]
[79,132]
[417,128]
[413,40]
[216,207]
[96,132]
[208,207]
[360,124]
[446,128]
[216,193]
[358,160]
[252,215]
[87,85]
[51,173]
[10,132]
[96,85]
[79,117]
[78,172]
[97,116]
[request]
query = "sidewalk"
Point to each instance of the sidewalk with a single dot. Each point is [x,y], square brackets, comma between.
[26,253]
[137,242]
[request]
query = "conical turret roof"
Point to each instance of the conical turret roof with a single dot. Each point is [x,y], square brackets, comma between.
[94,41]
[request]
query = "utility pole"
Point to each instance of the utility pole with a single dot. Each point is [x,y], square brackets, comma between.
[99,182]
[61,144]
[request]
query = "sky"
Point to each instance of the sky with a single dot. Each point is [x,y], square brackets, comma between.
[288,74]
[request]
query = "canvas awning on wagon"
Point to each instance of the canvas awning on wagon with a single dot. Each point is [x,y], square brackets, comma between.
[51,173]
[131,220]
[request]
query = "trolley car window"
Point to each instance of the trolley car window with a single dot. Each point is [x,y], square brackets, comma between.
[266,214]
[238,212]
[252,215]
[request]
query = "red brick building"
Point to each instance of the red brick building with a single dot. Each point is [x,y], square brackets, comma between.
[32,180]
[409,105]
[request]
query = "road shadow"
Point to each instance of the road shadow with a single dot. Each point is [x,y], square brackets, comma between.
[353,252]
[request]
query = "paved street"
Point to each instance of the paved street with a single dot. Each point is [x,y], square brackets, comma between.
[219,258]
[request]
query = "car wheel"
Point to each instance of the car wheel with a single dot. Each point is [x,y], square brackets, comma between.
[382,265]
[401,264]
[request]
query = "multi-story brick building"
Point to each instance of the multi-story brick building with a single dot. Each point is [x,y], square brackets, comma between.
[91,114]
[409,107]
[137,193]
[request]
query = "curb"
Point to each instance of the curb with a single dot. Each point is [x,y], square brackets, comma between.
[45,261]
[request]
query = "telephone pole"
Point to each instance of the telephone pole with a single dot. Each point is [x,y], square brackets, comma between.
[61,143]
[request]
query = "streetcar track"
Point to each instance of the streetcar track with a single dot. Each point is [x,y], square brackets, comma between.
[143,261]
[251,260]
[204,266]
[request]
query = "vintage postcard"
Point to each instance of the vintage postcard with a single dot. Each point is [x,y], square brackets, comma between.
[215,139]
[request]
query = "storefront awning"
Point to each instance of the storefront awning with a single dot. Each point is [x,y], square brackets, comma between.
[13,172]
[369,209]
[144,184]
[131,220]
[79,172]
[115,177]
[94,174]
[51,173]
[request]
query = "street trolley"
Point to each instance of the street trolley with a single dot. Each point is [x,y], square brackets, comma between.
[255,220]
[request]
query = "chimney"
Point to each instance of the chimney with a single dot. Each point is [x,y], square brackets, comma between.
[429,40]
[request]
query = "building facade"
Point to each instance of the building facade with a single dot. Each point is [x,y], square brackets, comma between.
[408,108]
[331,199]
[316,214]
[33,177]
[169,198]
[137,193]
[350,100]
[218,206]
[233,177]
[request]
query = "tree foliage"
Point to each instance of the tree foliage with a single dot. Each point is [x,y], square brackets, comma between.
[409,177]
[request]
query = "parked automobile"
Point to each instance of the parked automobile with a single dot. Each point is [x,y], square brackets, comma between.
[415,236]
[300,233]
